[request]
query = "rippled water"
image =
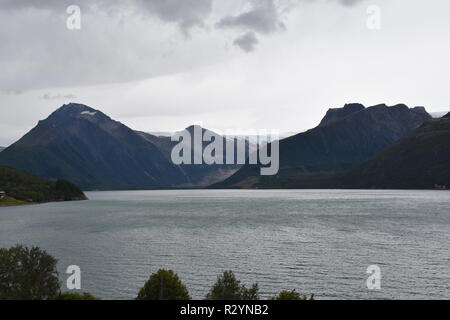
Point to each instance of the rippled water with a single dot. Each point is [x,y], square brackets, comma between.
[317,242]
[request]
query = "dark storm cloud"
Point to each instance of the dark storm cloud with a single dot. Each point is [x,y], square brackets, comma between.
[247,41]
[262,17]
[38,51]
[187,13]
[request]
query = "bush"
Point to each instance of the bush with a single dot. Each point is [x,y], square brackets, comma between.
[227,287]
[164,285]
[291,295]
[27,274]
[75,296]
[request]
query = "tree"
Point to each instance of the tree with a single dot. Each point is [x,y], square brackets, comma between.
[164,285]
[75,296]
[27,274]
[291,295]
[227,287]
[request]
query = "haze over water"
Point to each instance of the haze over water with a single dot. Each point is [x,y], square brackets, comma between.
[314,241]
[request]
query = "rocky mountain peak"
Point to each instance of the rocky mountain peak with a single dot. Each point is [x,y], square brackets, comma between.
[339,113]
[72,111]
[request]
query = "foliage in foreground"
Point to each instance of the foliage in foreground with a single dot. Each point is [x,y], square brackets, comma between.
[75,296]
[31,274]
[27,274]
[227,287]
[291,295]
[164,285]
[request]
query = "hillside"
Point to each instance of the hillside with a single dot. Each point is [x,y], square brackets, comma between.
[83,145]
[21,187]
[418,161]
[345,138]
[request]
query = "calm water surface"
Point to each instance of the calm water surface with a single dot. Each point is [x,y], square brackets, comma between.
[317,242]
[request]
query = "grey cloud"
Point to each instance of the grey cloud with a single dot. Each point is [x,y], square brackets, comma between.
[247,41]
[263,17]
[350,2]
[11,92]
[187,13]
[49,96]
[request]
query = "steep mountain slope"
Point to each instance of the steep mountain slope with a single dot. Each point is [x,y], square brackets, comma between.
[345,138]
[2,148]
[420,160]
[87,147]
[25,187]
[200,175]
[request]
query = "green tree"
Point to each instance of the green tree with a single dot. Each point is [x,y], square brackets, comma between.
[227,287]
[291,295]
[164,285]
[27,274]
[75,296]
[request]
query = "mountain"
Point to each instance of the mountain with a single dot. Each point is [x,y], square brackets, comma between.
[335,114]
[85,146]
[345,138]
[419,160]
[22,187]
[2,148]
[200,175]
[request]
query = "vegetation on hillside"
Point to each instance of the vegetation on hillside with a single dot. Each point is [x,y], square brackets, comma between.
[8,201]
[419,160]
[21,187]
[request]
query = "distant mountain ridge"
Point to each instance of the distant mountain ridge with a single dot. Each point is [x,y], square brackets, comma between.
[85,146]
[345,138]
[201,175]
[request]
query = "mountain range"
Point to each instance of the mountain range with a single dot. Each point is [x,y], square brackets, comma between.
[344,138]
[88,148]
[200,175]
[93,151]
[351,147]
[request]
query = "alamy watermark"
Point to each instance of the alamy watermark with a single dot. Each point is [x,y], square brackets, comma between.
[73,22]
[199,146]
[74,280]
[374,18]
[374,279]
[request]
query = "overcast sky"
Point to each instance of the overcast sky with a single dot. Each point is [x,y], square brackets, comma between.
[161,65]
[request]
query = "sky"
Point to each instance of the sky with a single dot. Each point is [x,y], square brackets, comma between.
[162,65]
